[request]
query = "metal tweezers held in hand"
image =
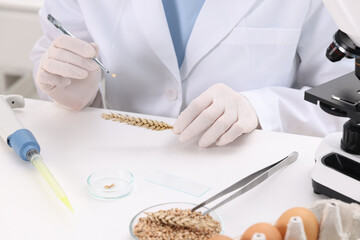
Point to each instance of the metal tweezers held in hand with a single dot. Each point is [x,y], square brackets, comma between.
[248,182]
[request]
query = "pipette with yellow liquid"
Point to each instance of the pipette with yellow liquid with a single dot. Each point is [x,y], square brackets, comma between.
[24,143]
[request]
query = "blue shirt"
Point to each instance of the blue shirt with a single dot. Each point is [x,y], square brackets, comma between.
[181,16]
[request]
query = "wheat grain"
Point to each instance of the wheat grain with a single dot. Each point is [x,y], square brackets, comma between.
[135,121]
[109,186]
[176,224]
[185,218]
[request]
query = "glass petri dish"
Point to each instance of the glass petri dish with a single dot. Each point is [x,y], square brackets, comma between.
[110,183]
[167,206]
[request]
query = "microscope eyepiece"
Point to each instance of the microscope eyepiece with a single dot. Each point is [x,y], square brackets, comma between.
[341,47]
[333,53]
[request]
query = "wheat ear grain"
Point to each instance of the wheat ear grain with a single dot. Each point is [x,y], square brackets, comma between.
[188,219]
[135,121]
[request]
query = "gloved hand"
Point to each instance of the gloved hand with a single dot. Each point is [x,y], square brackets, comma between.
[67,74]
[221,112]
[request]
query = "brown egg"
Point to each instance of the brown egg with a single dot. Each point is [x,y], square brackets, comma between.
[311,225]
[220,237]
[271,232]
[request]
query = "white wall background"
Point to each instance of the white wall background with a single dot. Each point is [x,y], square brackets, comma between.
[19,30]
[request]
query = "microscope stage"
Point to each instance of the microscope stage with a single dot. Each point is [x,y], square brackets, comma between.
[347,88]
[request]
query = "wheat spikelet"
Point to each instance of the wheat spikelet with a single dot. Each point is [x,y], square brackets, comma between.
[185,218]
[134,121]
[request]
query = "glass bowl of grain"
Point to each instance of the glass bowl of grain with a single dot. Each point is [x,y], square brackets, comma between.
[175,220]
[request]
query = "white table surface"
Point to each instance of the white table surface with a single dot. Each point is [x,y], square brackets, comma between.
[75,144]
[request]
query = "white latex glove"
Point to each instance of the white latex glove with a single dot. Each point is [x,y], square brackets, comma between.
[67,74]
[221,112]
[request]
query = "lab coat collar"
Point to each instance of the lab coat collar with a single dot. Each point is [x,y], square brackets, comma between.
[215,21]
[153,23]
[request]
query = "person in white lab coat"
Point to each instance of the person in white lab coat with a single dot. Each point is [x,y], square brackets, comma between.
[240,64]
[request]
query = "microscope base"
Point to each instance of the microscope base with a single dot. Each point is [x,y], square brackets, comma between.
[321,189]
[336,173]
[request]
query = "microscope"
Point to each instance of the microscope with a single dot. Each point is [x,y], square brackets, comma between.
[336,173]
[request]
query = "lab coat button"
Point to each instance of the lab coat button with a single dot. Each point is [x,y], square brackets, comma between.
[171,94]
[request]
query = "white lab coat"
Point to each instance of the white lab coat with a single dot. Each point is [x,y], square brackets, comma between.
[265,49]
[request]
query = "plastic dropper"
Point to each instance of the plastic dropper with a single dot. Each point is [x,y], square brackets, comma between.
[35,158]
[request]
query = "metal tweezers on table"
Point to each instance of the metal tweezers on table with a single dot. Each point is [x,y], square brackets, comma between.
[248,182]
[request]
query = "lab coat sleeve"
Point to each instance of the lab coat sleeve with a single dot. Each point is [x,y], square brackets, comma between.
[284,109]
[69,14]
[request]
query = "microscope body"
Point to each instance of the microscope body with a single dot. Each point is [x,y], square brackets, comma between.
[337,161]
[346,16]
[336,172]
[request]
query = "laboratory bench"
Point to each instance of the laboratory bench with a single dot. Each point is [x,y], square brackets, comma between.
[76,144]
